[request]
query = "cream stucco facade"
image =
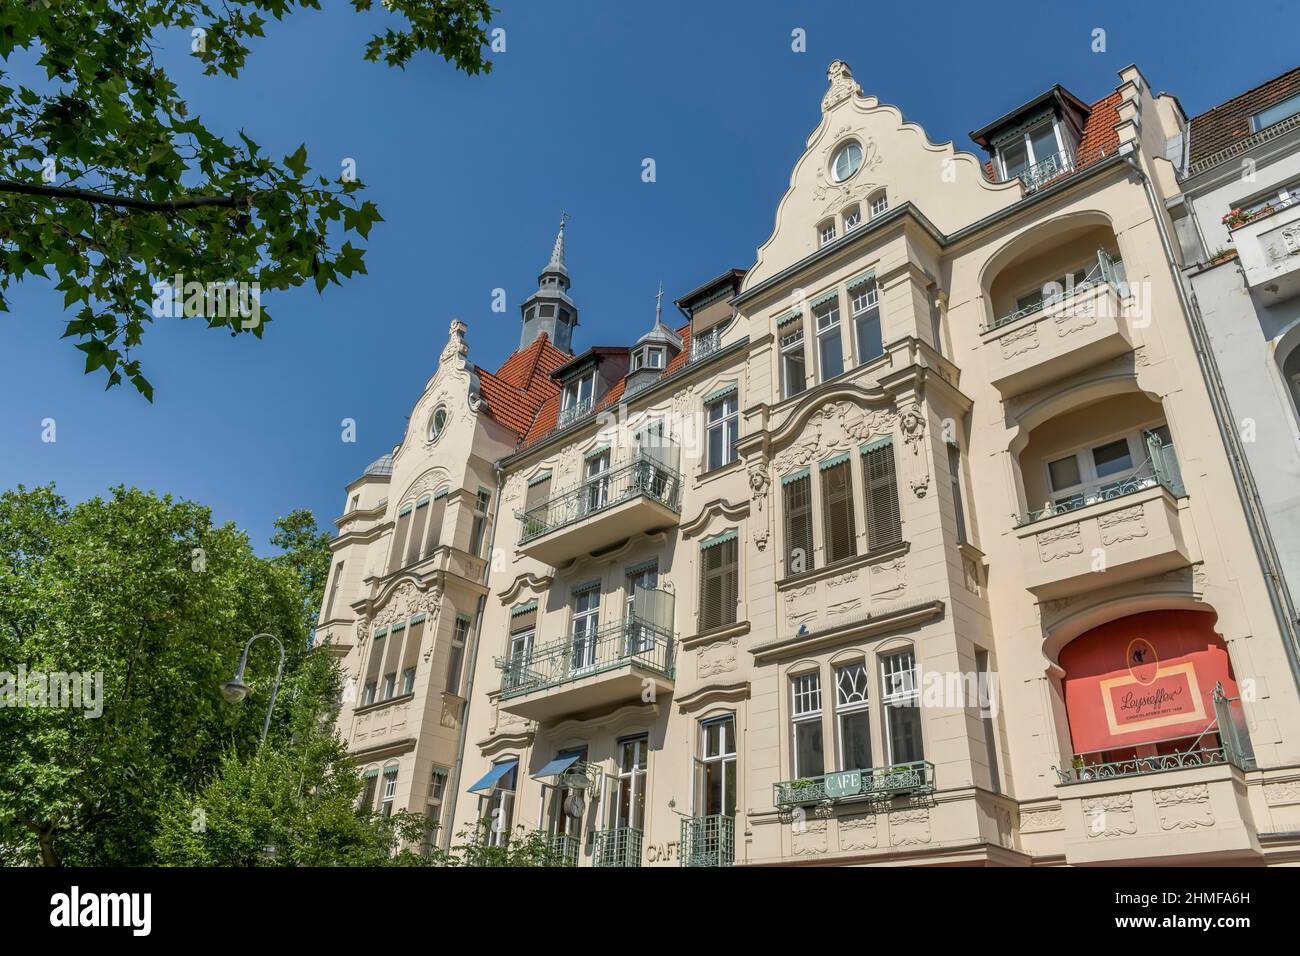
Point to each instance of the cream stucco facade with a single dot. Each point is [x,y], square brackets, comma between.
[856,606]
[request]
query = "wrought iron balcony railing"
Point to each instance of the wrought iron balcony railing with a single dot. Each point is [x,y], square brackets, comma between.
[706,345]
[1083,772]
[618,847]
[633,640]
[1160,469]
[566,848]
[881,783]
[645,475]
[1039,174]
[575,411]
[708,841]
[1103,273]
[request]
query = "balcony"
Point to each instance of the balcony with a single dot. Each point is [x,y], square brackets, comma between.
[574,412]
[1121,532]
[1058,336]
[877,783]
[617,847]
[640,496]
[1039,174]
[592,671]
[1268,242]
[1128,810]
[708,841]
[565,848]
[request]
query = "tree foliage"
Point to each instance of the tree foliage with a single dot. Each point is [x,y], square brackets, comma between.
[148,593]
[110,186]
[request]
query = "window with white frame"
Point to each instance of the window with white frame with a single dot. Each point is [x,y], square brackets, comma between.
[723,419]
[389,792]
[597,481]
[629,798]
[1105,469]
[640,634]
[649,357]
[848,160]
[433,804]
[478,527]
[864,303]
[794,373]
[807,756]
[879,203]
[456,654]
[1275,114]
[586,624]
[715,768]
[577,398]
[852,717]
[1053,290]
[497,809]
[902,707]
[852,217]
[830,346]
[1038,147]
[826,232]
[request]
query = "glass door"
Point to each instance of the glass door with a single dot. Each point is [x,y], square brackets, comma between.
[586,622]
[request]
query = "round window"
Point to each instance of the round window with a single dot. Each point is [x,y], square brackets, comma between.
[847,161]
[437,423]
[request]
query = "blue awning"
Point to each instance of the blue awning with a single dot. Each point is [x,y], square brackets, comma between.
[489,779]
[556,767]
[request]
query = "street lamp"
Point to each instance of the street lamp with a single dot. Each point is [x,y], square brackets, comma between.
[235,690]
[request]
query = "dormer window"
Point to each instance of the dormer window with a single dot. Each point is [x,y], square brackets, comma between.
[826,231]
[649,357]
[1035,155]
[577,398]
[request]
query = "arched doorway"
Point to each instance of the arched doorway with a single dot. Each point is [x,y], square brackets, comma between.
[1140,689]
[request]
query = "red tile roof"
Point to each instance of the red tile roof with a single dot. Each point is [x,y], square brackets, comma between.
[521,386]
[549,412]
[1225,124]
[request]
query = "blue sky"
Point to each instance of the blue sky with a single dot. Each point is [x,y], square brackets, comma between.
[471,174]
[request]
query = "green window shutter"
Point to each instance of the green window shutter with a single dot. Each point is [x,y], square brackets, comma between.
[719,584]
[884,520]
[839,530]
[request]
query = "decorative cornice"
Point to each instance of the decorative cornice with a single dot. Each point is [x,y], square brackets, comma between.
[711,509]
[534,582]
[518,740]
[575,727]
[715,635]
[713,694]
[380,751]
[875,624]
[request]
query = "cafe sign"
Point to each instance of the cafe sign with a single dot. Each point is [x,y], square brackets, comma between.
[844,784]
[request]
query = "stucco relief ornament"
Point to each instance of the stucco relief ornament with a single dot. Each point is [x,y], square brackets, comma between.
[455,347]
[913,425]
[842,85]
[758,484]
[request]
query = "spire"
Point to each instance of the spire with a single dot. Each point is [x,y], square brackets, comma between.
[557,251]
[550,309]
[659,304]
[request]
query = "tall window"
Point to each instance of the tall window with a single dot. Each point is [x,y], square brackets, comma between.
[864,298]
[433,804]
[1034,147]
[456,657]
[629,805]
[390,791]
[830,347]
[884,522]
[853,716]
[417,530]
[724,429]
[794,375]
[954,474]
[523,630]
[586,623]
[392,656]
[334,591]
[806,717]
[640,634]
[577,398]
[715,769]
[986,717]
[598,481]
[719,585]
[497,809]
[839,529]
[902,707]
[373,668]
[399,538]
[796,493]
[411,655]
[437,511]
[372,787]
[481,504]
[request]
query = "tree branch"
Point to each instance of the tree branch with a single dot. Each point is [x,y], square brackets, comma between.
[126,202]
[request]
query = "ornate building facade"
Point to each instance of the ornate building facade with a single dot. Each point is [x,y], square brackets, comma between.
[914,543]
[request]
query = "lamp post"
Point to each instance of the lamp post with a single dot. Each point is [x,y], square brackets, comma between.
[235,690]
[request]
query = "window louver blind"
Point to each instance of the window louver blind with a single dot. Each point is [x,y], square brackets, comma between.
[417,531]
[394,650]
[537,493]
[798,525]
[719,586]
[524,620]
[414,638]
[437,511]
[838,528]
[884,523]
[376,658]
[399,540]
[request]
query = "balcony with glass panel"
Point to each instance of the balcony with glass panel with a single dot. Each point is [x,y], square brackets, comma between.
[1053,320]
[594,668]
[608,506]
[708,841]
[1114,508]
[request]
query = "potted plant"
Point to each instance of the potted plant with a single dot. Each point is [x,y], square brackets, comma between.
[1235,218]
